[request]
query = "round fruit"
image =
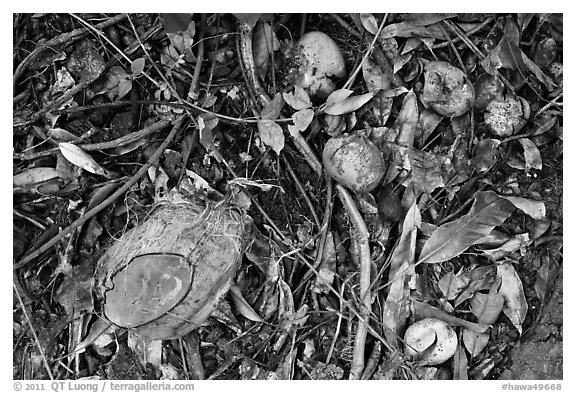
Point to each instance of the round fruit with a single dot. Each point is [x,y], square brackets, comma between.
[446,89]
[318,58]
[354,161]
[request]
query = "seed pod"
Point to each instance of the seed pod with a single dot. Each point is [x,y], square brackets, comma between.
[163,278]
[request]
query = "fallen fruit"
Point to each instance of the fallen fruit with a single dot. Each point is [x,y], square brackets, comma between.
[506,116]
[317,58]
[163,278]
[446,89]
[354,161]
[432,341]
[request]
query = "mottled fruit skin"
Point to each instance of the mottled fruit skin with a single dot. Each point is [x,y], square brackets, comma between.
[354,161]
[505,116]
[428,332]
[446,89]
[318,58]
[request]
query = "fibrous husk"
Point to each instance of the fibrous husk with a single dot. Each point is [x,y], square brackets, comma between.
[163,278]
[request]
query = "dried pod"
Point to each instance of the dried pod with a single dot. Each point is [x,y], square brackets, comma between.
[317,59]
[163,278]
[354,161]
[446,89]
[432,340]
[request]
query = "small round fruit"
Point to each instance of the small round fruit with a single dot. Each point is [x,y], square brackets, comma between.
[354,161]
[506,116]
[446,89]
[318,58]
[428,332]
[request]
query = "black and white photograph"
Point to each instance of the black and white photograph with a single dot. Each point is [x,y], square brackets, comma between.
[287,196]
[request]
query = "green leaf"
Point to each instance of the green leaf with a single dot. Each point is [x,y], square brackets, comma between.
[349,104]
[453,238]
[271,134]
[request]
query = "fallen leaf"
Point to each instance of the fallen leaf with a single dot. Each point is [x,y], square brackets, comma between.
[299,99]
[303,118]
[453,238]
[348,105]
[369,22]
[80,158]
[271,134]
[273,109]
[515,305]
[532,156]
[375,77]
[34,175]
[460,365]
[137,66]
[486,307]
[475,342]
[452,284]
[514,244]
[242,306]
[405,125]
[394,311]
[426,170]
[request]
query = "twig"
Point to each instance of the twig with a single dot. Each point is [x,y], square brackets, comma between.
[31,326]
[247,57]
[367,54]
[468,33]
[108,201]
[365,297]
[199,58]
[66,38]
[302,191]
[345,25]
[122,141]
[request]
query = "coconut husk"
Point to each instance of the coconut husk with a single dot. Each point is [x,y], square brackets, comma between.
[163,278]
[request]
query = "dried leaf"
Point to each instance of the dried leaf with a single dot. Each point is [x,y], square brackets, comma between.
[534,209]
[338,96]
[475,342]
[249,19]
[80,158]
[426,170]
[515,306]
[427,123]
[327,269]
[406,30]
[303,118]
[532,156]
[369,22]
[273,109]
[481,278]
[271,134]
[34,175]
[375,77]
[407,120]
[350,104]
[460,365]
[242,306]
[486,307]
[514,244]
[299,99]
[424,19]
[86,62]
[206,123]
[60,135]
[137,66]
[453,238]
[538,73]
[545,278]
[452,284]
[486,154]
[394,312]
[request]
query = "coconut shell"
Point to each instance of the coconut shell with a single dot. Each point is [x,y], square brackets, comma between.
[163,278]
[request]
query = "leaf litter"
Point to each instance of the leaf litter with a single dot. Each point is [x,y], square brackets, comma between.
[473,150]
